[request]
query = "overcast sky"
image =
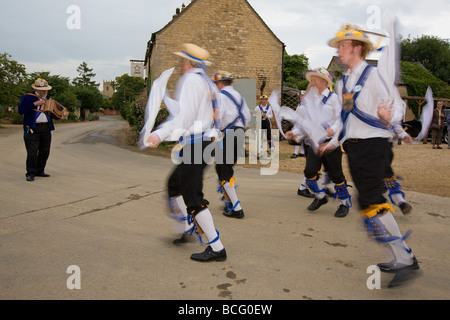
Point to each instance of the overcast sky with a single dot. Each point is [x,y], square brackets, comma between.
[46,35]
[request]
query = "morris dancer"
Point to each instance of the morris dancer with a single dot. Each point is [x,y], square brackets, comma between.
[266,115]
[234,117]
[326,108]
[366,116]
[196,109]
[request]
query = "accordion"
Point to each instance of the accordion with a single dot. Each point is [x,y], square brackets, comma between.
[51,107]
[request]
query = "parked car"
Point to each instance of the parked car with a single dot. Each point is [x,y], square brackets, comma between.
[414,127]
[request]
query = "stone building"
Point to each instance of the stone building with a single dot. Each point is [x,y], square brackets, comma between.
[336,67]
[108,89]
[238,40]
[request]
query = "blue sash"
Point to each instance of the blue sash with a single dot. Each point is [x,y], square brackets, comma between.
[264,111]
[353,109]
[324,101]
[213,100]
[239,109]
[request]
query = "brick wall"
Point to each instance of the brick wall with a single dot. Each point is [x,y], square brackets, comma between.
[236,37]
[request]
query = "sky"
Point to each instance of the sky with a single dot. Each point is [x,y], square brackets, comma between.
[58,35]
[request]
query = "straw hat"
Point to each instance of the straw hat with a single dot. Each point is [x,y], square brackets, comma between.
[194,53]
[223,75]
[41,84]
[352,32]
[321,73]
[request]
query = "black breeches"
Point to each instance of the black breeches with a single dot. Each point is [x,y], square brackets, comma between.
[37,144]
[332,163]
[367,162]
[187,178]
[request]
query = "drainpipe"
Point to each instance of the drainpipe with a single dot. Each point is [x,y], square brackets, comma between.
[282,76]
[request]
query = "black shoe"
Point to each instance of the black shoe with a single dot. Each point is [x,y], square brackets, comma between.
[183,239]
[391,267]
[210,255]
[405,207]
[233,214]
[305,193]
[317,203]
[341,211]
[43,174]
[294,155]
[403,277]
[30,178]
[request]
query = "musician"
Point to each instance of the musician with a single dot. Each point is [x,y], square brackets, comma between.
[37,126]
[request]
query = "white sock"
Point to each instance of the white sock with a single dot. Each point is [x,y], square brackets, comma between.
[296,149]
[303,185]
[398,199]
[180,211]
[320,195]
[231,192]
[321,185]
[205,221]
[325,178]
[402,253]
[345,202]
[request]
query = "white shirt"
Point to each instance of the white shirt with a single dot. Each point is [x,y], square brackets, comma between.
[229,111]
[267,107]
[42,117]
[324,115]
[195,107]
[372,94]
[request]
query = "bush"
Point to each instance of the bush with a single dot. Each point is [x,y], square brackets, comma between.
[136,119]
[417,80]
[16,118]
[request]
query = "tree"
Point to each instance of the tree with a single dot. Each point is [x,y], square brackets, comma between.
[127,90]
[293,71]
[12,76]
[90,99]
[86,76]
[86,90]
[69,99]
[62,91]
[417,79]
[430,51]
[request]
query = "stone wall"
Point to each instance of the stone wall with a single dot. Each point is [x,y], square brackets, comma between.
[234,34]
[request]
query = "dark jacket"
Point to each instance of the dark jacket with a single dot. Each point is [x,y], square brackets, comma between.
[28,109]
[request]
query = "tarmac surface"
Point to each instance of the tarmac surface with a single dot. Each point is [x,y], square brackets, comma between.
[100,221]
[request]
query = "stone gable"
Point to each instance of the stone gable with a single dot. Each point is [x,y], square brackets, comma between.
[237,38]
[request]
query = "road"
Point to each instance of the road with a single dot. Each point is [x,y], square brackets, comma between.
[100,221]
